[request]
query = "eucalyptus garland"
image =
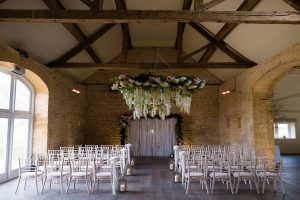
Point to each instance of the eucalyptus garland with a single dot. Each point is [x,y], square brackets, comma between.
[125,121]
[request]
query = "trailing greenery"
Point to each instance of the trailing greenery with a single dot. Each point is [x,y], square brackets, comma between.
[122,135]
[125,121]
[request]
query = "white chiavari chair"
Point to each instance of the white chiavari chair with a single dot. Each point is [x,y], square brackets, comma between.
[247,173]
[219,173]
[100,173]
[58,170]
[270,172]
[80,170]
[29,170]
[196,174]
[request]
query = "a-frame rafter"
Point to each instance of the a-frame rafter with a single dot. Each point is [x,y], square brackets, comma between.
[73,28]
[247,5]
[121,5]
[220,44]
[64,58]
[294,3]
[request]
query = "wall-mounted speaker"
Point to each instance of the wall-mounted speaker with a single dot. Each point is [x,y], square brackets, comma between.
[18,70]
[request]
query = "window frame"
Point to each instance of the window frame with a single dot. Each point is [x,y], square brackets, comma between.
[12,114]
[286,121]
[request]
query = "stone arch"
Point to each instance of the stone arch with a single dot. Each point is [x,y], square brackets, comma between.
[40,122]
[263,117]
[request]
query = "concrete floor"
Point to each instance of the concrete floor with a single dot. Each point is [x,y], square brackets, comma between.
[152,180]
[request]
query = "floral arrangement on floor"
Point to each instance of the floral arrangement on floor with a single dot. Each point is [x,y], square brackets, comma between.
[150,95]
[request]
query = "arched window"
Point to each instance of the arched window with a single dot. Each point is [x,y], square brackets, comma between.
[16,119]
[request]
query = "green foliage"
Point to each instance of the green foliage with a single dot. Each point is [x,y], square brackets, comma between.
[122,135]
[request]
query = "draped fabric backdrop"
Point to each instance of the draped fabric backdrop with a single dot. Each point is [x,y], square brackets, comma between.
[152,137]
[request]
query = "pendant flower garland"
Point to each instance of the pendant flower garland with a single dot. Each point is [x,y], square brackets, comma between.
[150,95]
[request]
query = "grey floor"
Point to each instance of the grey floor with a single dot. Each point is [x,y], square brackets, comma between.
[152,180]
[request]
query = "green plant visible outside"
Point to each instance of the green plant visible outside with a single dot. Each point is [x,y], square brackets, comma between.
[178,128]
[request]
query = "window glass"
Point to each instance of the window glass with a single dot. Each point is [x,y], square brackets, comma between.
[285,130]
[3,141]
[22,97]
[5,84]
[20,144]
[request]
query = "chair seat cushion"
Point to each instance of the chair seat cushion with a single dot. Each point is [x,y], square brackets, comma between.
[30,174]
[194,174]
[79,174]
[57,174]
[219,175]
[268,174]
[243,174]
[104,174]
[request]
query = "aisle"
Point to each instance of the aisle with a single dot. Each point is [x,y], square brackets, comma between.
[151,181]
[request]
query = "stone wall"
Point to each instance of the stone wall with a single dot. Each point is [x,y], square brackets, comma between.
[246,115]
[103,108]
[59,113]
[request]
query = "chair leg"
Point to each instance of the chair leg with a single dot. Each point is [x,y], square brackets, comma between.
[37,186]
[256,183]
[250,184]
[275,186]
[212,186]
[62,185]
[18,184]
[231,187]
[187,186]
[281,186]
[264,185]
[205,183]
[69,183]
[87,185]
[50,183]
[25,183]
[44,183]
[237,185]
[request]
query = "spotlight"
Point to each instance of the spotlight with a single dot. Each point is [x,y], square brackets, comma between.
[225,92]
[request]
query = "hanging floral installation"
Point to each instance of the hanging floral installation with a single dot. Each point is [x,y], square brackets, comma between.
[150,95]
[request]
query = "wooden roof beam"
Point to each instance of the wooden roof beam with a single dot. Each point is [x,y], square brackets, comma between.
[199,5]
[180,30]
[127,44]
[130,16]
[294,3]
[152,65]
[73,28]
[221,44]
[82,46]
[227,28]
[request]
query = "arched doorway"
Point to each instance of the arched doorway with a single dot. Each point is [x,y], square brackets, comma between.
[263,113]
[286,109]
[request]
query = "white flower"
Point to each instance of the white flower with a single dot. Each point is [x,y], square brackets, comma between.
[202,84]
[183,78]
[157,80]
[164,84]
[146,83]
[175,80]
[123,83]
[138,83]
[131,80]
[122,76]
[115,86]
[192,87]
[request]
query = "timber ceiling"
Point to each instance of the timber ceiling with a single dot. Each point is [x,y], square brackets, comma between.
[225,49]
